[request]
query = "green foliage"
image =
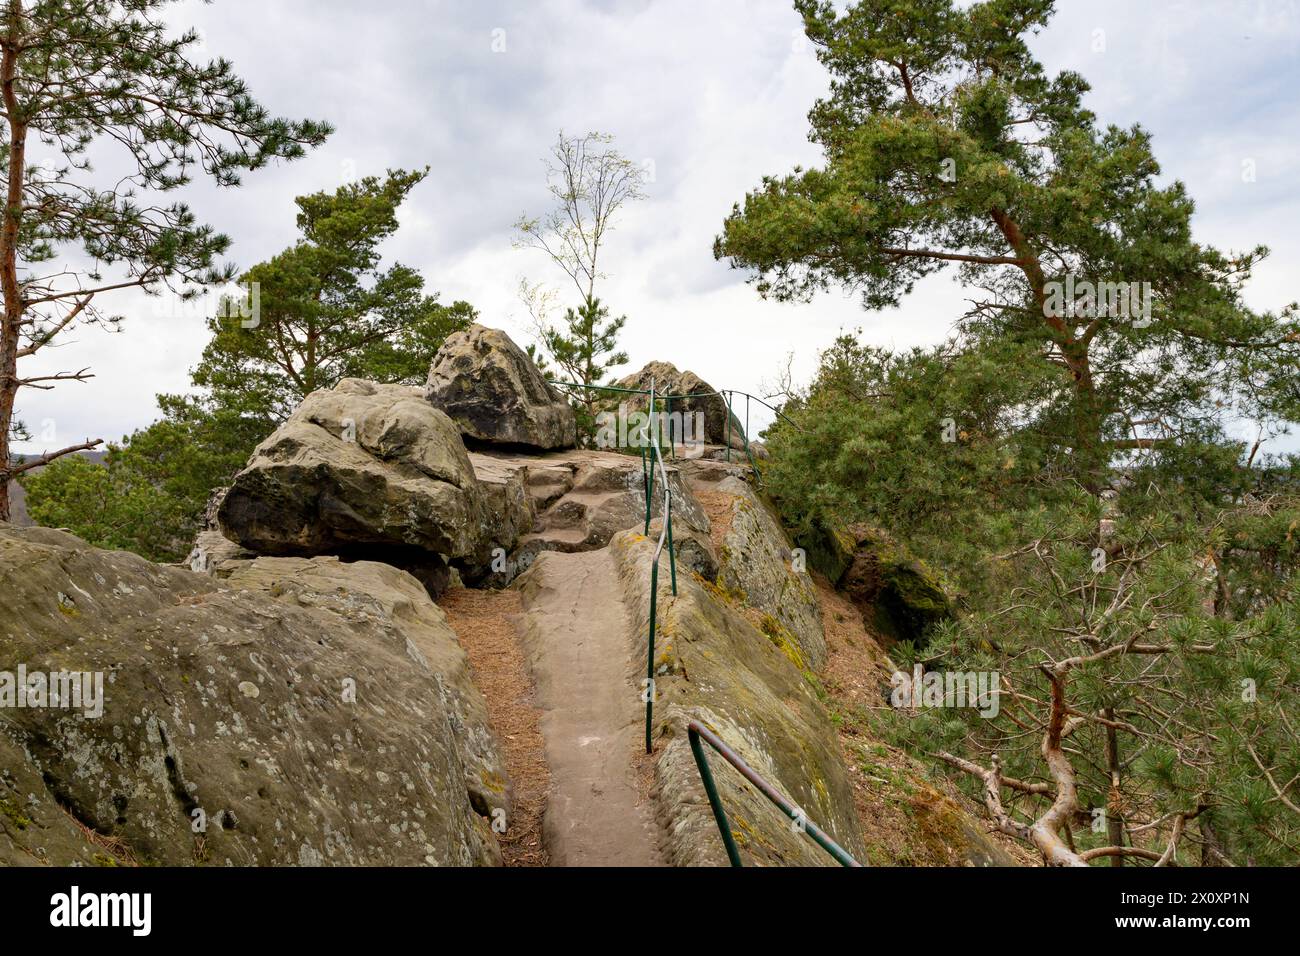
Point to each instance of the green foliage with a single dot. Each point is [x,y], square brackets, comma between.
[150,492]
[947,145]
[106,73]
[1201,572]
[1187,649]
[913,442]
[586,349]
[1120,562]
[328,310]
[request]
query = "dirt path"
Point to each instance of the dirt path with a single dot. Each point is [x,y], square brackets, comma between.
[577,634]
[485,622]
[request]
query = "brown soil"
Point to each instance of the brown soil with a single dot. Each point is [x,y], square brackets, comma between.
[717,507]
[485,623]
[907,818]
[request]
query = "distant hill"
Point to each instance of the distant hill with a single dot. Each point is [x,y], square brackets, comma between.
[18,498]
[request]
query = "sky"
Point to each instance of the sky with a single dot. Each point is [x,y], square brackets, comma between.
[710,96]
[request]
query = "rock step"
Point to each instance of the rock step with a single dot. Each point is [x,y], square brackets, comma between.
[577,635]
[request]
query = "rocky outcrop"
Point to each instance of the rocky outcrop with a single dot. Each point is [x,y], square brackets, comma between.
[361,470]
[757,562]
[703,399]
[713,665]
[509,513]
[385,604]
[213,551]
[580,499]
[898,595]
[317,715]
[494,393]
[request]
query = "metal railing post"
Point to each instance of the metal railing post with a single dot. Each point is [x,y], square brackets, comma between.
[650,656]
[728,399]
[711,791]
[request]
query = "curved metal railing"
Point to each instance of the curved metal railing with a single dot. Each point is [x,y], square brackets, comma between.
[697,732]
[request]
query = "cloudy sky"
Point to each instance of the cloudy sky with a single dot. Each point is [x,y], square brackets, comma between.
[713,95]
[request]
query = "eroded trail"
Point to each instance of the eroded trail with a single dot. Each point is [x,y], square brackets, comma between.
[485,622]
[576,633]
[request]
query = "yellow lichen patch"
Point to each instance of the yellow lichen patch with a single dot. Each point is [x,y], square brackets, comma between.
[493,781]
[783,639]
[720,591]
[10,810]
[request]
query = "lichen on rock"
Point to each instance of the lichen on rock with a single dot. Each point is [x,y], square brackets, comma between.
[269,725]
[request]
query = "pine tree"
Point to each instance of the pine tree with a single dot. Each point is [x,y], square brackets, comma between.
[586,349]
[72,76]
[328,309]
[947,145]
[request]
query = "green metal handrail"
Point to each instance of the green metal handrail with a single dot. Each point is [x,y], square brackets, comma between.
[665,532]
[695,732]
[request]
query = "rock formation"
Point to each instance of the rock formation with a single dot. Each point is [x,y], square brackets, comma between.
[581,498]
[898,595]
[713,665]
[361,470]
[494,393]
[315,715]
[758,560]
[703,399]
[306,697]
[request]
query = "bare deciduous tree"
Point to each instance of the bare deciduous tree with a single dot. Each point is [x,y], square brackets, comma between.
[591,181]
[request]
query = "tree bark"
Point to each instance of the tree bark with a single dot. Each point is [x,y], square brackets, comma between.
[9,287]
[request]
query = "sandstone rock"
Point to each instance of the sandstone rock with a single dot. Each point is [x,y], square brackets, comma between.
[714,666]
[669,381]
[897,594]
[230,707]
[509,513]
[494,393]
[212,551]
[583,498]
[386,603]
[360,469]
[756,560]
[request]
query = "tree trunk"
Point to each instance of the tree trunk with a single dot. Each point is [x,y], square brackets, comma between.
[1091,457]
[12,292]
[1212,850]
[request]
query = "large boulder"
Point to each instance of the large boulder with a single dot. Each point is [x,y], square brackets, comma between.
[361,470]
[698,396]
[387,604]
[316,716]
[494,393]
